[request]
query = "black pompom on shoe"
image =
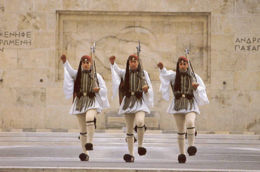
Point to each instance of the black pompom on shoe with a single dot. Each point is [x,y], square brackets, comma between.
[182,158]
[192,150]
[129,158]
[83,157]
[141,151]
[89,146]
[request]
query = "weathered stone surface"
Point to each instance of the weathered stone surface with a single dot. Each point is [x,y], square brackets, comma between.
[48,5]
[24,78]
[247,7]
[44,39]
[59,117]
[109,29]
[33,21]
[31,97]
[18,6]
[223,37]
[36,58]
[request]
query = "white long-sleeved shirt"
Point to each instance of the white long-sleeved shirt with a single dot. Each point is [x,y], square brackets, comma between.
[101,100]
[167,78]
[147,101]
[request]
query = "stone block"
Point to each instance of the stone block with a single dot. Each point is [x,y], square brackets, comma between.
[32,97]
[71,26]
[221,118]
[253,121]
[247,7]
[222,42]
[36,58]
[55,96]
[221,7]
[14,17]
[59,117]
[253,99]
[13,116]
[48,5]
[8,62]
[222,80]
[12,6]
[44,40]
[252,62]
[32,21]
[246,80]
[222,24]
[25,78]
[74,4]
[245,24]
[8,96]
[51,22]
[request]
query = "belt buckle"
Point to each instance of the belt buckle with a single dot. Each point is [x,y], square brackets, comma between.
[183,95]
[132,93]
[84,94]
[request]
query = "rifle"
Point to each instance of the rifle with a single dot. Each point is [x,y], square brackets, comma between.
[187,51]
[94,72]
[138,48]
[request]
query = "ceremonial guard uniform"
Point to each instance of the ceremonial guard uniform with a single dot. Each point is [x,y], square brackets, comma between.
[189,92]
[136,100]
[89,98]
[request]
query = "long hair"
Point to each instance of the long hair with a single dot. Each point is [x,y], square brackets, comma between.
[126,81]
[78,80]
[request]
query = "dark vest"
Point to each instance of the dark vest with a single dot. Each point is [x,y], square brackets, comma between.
[86,96]
[135,93]
[184,96]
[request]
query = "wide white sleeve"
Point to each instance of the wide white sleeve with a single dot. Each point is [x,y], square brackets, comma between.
[200,93]
[68,84]
[72,72]
[166,77]
[116,74]
[102,92]
[148,97]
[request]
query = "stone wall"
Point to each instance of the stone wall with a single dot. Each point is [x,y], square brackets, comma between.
[223,36]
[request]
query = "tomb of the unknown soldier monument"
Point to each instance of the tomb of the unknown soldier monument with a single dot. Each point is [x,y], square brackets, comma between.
[137,85]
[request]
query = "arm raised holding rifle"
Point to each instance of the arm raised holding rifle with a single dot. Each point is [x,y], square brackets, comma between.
[195,84]
[90,97]
[137,99]
[144,85]
[95,85]
[189,92]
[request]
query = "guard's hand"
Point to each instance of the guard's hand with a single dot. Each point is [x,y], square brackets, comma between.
[63,58]
[160,65]
[145,88]
[96,89]
[195,85]
[112,59]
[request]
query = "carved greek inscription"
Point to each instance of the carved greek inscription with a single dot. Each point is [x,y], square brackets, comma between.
[15,39]
[246,44]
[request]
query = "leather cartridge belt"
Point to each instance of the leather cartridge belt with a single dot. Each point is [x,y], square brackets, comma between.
[89,94]
[179,95]
[137,94]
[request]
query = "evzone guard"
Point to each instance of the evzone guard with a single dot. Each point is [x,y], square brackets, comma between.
[189,92]
[136,99]
[89,98]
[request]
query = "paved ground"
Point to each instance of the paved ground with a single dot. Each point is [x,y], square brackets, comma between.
[54,151]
